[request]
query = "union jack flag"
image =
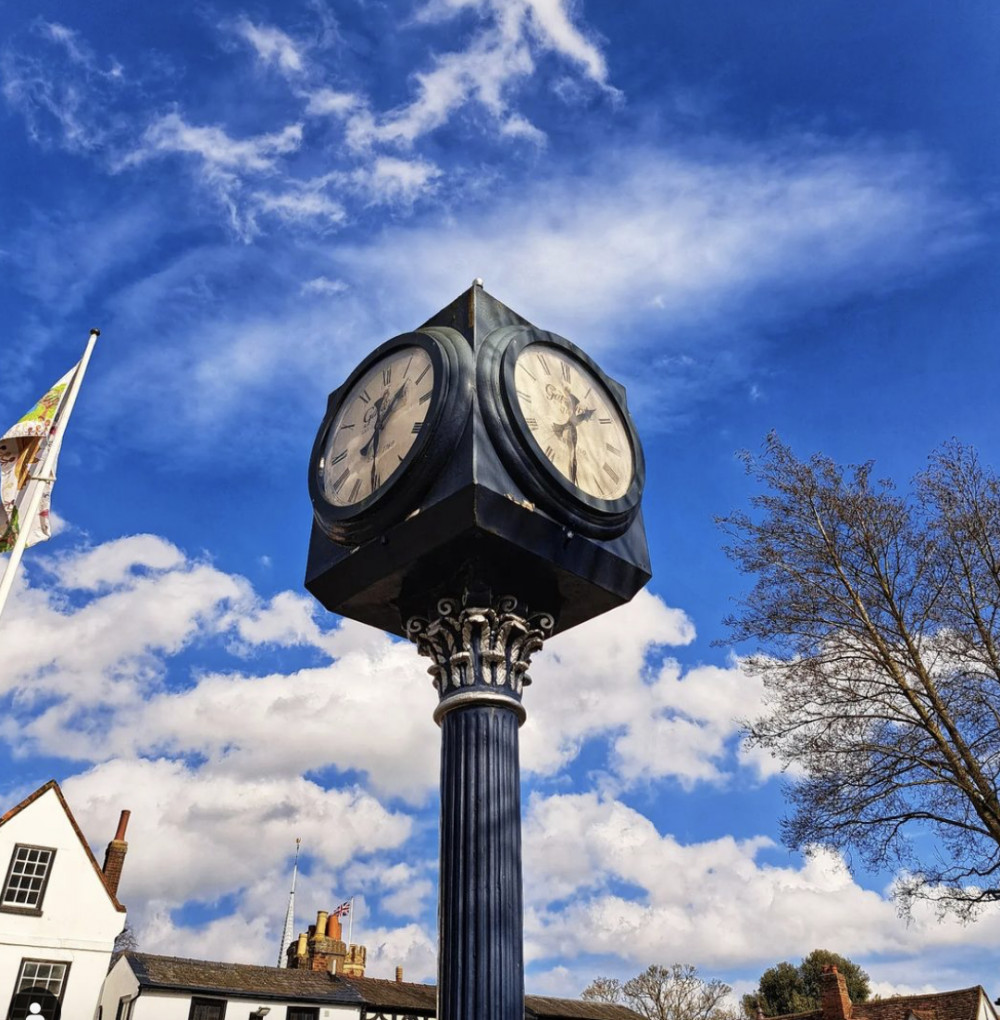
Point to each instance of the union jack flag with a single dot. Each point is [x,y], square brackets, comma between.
[343,909]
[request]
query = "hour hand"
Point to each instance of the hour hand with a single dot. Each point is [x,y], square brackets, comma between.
[396,397]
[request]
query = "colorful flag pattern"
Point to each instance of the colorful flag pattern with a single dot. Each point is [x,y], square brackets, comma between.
[22,448]
[343,909]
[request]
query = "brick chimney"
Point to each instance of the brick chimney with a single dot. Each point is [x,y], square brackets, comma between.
[322,947]
[114,856]
[836,1001]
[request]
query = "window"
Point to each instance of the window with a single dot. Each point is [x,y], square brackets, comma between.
[207,1009]
[41,982]
[26,879]
[125,1006]
[302,1013]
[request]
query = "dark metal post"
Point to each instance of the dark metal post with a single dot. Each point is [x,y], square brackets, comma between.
[481,650]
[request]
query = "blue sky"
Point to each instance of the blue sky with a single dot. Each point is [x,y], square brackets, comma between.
[755,215]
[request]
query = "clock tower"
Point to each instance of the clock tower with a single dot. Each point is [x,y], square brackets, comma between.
[476,488]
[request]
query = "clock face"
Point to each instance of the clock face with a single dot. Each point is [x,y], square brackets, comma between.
[375,426]
[574,420]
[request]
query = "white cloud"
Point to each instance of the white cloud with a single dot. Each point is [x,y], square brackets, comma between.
[330,102]
[272,46]
[679,239]
[551,22]
[597,680]
[301,204]
[389,180]
[714,902]
[324,285]
[213,145]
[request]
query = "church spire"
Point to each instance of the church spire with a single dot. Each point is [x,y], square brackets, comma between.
[286,935]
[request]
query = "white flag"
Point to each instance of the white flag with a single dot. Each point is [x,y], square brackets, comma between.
[22,449]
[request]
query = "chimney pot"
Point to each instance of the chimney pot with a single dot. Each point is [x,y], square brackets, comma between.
[123,824]
[399,974]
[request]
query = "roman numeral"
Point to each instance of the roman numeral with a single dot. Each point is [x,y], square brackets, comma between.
[376,481]
[544,364]
[339,457]
[427,368]
[532,423]
[525,398]
[611,473]
[611,448]
[527,372]
[351,426]
[354,490]
[604,421]
[426,397]
[549,452]
[364,398]
[406,371]
[387,375]
[564,366]
[340,481]
[417,426]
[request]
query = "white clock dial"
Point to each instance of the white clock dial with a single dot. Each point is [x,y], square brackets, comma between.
[574,420]
[376,425]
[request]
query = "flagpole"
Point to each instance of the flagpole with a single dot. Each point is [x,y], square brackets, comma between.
[350,923]
[56,432]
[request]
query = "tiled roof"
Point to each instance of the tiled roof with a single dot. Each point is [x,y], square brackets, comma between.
[959,1005]
[232,979]
[380,994]
[543,1007]
[239,979]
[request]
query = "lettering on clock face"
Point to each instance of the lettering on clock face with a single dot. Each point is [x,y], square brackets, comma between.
[377,424]
[574,420]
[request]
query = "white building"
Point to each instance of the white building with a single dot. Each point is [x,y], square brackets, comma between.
[143,986]
[59,914]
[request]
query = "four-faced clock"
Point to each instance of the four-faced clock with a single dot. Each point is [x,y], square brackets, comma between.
[407,401]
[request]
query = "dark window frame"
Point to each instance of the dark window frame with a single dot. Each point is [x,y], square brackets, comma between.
[302,1013]
[35,909]
[65,964]
[125,1006]
[205,1000]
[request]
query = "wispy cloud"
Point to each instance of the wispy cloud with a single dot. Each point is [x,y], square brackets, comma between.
[272,46]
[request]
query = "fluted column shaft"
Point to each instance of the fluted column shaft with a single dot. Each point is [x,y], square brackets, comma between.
[481,650]
[480,962]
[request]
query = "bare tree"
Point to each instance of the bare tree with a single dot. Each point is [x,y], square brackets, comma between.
[876,619]
[666,993]
[126,940]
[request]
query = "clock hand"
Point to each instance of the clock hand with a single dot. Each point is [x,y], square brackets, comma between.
[396,397]
[377,428]
[572,453]
[374,445]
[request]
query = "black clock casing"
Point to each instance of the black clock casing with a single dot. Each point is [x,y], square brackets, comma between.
[466,512]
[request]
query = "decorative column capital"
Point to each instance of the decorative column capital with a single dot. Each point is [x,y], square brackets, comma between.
[481,648]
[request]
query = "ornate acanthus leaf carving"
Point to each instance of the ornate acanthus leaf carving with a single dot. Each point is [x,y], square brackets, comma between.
[479,645]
